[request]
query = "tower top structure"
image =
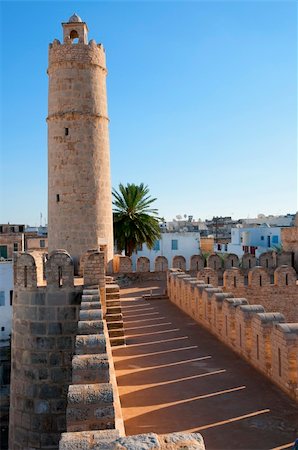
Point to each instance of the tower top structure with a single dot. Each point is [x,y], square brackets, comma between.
[75,28]
[74,18]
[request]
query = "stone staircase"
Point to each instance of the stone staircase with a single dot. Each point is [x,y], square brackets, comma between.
[90,403]
[114,317]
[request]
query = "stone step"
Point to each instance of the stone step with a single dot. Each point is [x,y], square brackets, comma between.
[114,317]
[113,309]
[112,288]
[117,325]
[109,279]
[90,407]
[112,295]
[114,341]
[90,369]
[117,332]
[90,292]
[113,303]
[90,344]
[90,298]
[88,440]
[90,314]
[90,327]
[90,305]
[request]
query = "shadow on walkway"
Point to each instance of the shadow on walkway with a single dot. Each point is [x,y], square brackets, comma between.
[175,376]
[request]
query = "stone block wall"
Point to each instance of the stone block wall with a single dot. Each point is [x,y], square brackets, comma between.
[43,341]
[264,339]
[280,296]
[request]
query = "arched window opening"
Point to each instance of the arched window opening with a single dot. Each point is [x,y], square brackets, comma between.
[74,37]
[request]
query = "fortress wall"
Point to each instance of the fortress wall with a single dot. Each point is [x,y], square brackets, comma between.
[281,296]
[263,338]
[215,263]
[43,341]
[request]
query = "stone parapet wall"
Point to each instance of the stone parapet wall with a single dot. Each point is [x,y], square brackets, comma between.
[281,296]
[197,263]
[263,338]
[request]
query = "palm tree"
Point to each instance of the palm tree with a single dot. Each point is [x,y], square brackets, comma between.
[135,221]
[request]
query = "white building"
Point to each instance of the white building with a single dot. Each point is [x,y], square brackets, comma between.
[255,240]
[6,294]
[169,245]
[274,221]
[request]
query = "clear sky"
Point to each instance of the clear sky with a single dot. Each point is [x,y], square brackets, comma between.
[202,101]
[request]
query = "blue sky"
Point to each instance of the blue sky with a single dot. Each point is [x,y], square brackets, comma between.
[202,101]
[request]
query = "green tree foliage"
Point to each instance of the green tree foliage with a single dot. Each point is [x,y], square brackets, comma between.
[135,221]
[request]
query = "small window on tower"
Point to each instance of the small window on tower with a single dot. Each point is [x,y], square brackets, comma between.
[57,198]
[66,131]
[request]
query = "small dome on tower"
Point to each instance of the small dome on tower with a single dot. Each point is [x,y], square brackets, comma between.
[74,18]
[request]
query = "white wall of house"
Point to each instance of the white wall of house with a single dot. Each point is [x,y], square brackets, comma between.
[6,288]
[261,238]
[188,244]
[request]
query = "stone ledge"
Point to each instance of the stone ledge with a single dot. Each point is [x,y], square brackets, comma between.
[107,440]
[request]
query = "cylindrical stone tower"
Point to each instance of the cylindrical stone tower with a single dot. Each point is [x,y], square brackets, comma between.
[79,186]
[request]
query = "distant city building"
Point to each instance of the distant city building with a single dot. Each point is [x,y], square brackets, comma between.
[18,238]
[220,228]
[254,240]
[274,221]
[6,297]
[169,245]
[11,240]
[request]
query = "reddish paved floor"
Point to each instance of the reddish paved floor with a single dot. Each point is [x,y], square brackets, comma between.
[174,376]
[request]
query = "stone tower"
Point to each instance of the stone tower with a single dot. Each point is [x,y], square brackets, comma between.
[79,186]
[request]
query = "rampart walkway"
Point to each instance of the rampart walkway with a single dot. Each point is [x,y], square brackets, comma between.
[174,376]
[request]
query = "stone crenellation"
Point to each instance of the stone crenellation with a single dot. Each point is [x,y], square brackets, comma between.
[274,287]
[263,338]
[269,261]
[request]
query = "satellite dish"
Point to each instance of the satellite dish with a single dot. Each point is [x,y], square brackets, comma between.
[178,217]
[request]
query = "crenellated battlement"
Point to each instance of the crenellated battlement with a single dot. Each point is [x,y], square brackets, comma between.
[67,55]
[262,338]
[197,263]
